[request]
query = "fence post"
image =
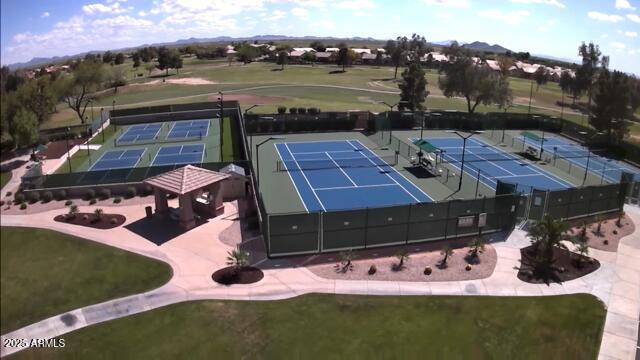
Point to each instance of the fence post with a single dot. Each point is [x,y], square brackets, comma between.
[408,224]
[366,226]
[321,232]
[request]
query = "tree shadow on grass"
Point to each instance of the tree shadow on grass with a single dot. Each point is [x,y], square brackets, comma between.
[337,71]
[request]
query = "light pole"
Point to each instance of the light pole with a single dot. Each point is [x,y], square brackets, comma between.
[251,107]
[530,97]
[258,155]
[102,123]
[585,145]
[464,146]
[391,109]
[603,170]
[113,105]
[220,116]
[67,142]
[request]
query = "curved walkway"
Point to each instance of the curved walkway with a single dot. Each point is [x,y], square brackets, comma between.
[196,254]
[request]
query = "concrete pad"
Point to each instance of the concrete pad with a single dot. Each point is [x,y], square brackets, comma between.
[623,306]
[617,347]
[383,288]
[473,287]
[621,326]
[529,290]
[628,262]
[414,288]
[627,290]
[628,275]
[351,287]
[445,288]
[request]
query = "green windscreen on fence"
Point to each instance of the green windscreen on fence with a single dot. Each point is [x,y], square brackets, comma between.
[532,136]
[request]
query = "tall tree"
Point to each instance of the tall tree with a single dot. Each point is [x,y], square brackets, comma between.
[318,46]
[547,235]
[612,104]
[505,63]
[169,58]
[246,53]
[345,56]
[118,59]
[477,84]
[413,88]
[136,61]
[417,48]
[38,96]
[115,78]
[86,79]
[396,49]
[591,60]
[26,132]
[540,76]
[635,94]
[107,57]
[282,59]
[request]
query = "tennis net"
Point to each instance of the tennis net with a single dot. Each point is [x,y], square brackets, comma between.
[336,163]
[157,140]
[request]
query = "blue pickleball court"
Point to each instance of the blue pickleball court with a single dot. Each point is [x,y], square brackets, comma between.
[344,174]
[118,159]
[189,129]
[139,133]
[179,155]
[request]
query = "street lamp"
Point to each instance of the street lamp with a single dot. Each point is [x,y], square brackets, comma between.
[102,123]
[251,107]
[464,146]
[67,142]
[113,105]
[585,145]
[258,155]
[391,109]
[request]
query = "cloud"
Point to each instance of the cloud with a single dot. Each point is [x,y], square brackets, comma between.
[142,13]
[300,12]
[45,15]
[277,15]
[555,3]
[448,3]
[547,25]
[99,8]
[510,17]
[356,4]
[631,34]
[633,17]
[617,45]
[604,17]
[624,4]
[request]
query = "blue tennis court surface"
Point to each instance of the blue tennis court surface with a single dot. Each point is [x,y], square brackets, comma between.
[577,154]
[142,132]
[189,129]
[345,174]
[494,164]
[179,154]
[118,159]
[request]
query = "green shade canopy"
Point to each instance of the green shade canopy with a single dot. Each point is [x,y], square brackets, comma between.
[532,136]
[425,145]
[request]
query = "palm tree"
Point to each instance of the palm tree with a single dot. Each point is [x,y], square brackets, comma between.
[346,257]
[402,255]
[73,211]
[477,247]
[583,249]
[546,235]
[583,232]
[98,214]
[620,217]
[238,258]
[446,252]
[599,219]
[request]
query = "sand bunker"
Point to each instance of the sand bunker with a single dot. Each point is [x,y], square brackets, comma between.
[182,81]
[253,99]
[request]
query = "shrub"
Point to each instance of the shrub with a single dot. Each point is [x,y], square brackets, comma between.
[47,196]
[117,200]
[302,110]
[90,194]
[18,198]
[312,111]
[1,202]
[427,270]
[372,269]
[33,196]
[104,193]
[98,214]
[282,109]
[92,201]
[73,211]
[606,242]
[293,110]
[615,232]
[23,206]
[85,217]
[61,194]
[147,190]
[8,193]
[468,267]
[114,221]
[131,192]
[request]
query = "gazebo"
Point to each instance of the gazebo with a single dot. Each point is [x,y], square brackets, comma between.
[199,191]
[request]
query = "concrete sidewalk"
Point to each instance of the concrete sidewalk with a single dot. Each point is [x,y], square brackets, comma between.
[196,254]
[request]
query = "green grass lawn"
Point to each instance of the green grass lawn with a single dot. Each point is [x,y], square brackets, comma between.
[108,133]
[350,327]
[230,147]
[77,160]
[5,176]
[44,273]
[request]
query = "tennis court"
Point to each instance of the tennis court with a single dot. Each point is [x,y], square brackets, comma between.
[493,164]
[344,174]
[138,133]
[189,129]
[118,159]
[179,155]
[579,155]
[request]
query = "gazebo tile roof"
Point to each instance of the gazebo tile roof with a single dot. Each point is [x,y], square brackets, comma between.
[185,179]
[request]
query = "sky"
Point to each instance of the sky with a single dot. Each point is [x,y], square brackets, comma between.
[35,28]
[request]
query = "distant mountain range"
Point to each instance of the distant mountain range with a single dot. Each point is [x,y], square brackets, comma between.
[37,61]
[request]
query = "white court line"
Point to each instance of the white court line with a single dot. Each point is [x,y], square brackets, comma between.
[510,176]
[341,169]
[391,167]
[351,187]
[305,177]
[493,163]
[319,152]
[467,170]
[291,178]
[531,166]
